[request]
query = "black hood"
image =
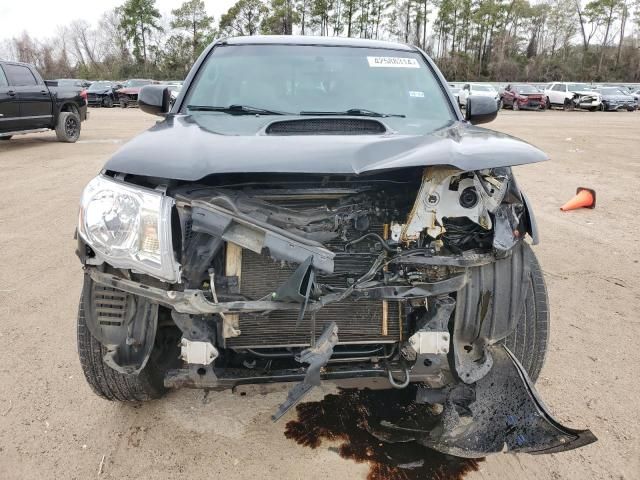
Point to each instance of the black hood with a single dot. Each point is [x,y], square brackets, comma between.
[190,147]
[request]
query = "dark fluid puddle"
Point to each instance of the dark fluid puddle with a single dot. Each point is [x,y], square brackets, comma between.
[354,416]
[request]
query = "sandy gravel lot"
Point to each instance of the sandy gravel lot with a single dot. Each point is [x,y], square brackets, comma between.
[52,426]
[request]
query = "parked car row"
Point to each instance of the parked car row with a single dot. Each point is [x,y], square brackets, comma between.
[109,93]
[565,95]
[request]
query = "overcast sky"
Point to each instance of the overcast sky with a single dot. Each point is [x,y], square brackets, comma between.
[41,17]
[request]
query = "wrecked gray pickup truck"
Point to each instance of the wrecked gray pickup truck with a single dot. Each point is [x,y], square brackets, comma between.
[318,209]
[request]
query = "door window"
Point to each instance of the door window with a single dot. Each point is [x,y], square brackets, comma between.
[559,88]
[3,79]
[19,75]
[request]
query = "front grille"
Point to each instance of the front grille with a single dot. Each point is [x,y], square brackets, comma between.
[326,126]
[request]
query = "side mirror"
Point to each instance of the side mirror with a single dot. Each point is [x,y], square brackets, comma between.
[481,109]
[154,99]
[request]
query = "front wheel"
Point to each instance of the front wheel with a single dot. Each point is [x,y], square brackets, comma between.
[568,105]
[107,102]
[8,137]
[68,127]
[530,339]
[112,385]
[515,106]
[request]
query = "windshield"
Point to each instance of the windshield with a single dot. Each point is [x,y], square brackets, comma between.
[97,86]
[136,83]
[69,82]
[310,80]
[482,88]
[526,89]
[611,91]
[572,87]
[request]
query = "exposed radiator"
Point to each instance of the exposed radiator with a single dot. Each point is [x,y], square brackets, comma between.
[359,321]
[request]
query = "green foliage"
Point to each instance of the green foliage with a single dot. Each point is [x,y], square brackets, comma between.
[283,15]
[499,40]
[244,18]
[137,20]
[192,19]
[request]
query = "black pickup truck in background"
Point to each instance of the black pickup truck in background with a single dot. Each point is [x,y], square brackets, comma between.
[28,104]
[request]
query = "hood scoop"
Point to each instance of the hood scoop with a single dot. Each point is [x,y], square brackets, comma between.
[326,126]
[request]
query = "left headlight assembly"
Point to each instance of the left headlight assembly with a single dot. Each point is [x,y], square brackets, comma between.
[129,227]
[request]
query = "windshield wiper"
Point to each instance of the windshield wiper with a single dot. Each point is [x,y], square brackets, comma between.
[355,112]
[235,110]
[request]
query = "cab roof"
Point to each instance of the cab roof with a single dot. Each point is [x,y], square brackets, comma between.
[313,40]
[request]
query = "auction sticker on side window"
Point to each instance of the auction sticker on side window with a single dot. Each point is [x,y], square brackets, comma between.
[393,62]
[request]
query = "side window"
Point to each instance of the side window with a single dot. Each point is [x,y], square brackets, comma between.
[558,87]
[3,79]
[19,75]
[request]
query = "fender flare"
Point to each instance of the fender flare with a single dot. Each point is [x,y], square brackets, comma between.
[530,220]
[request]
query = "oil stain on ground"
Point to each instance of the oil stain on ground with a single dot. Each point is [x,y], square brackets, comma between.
[354,416]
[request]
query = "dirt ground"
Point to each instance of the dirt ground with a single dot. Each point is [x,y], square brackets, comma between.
[52,426]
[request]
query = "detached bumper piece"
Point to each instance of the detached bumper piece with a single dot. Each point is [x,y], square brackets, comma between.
[317,357]
[503,409]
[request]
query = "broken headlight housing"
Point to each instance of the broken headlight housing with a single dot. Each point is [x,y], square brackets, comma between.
[129,227]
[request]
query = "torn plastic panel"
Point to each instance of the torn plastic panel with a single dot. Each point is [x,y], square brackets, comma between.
[487,310]
[503,409]
[317,357]
[125,324]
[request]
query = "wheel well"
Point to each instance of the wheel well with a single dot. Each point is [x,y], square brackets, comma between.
[69,107]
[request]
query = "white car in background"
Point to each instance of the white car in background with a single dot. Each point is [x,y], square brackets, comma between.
[478,89]
[455,91]
[572,95]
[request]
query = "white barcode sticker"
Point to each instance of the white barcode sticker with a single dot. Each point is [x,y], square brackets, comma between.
[393,62]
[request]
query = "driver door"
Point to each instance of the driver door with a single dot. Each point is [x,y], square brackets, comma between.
[9,106]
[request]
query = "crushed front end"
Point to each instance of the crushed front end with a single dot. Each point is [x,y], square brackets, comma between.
[350,278]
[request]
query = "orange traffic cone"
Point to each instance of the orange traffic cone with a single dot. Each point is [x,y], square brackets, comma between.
[584,198]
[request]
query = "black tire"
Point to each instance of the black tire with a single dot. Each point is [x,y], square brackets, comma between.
[530,339]
[107,102]
[548,104]
[123,103]
[111,385]
[515,106]
[68,127]
[8,137]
